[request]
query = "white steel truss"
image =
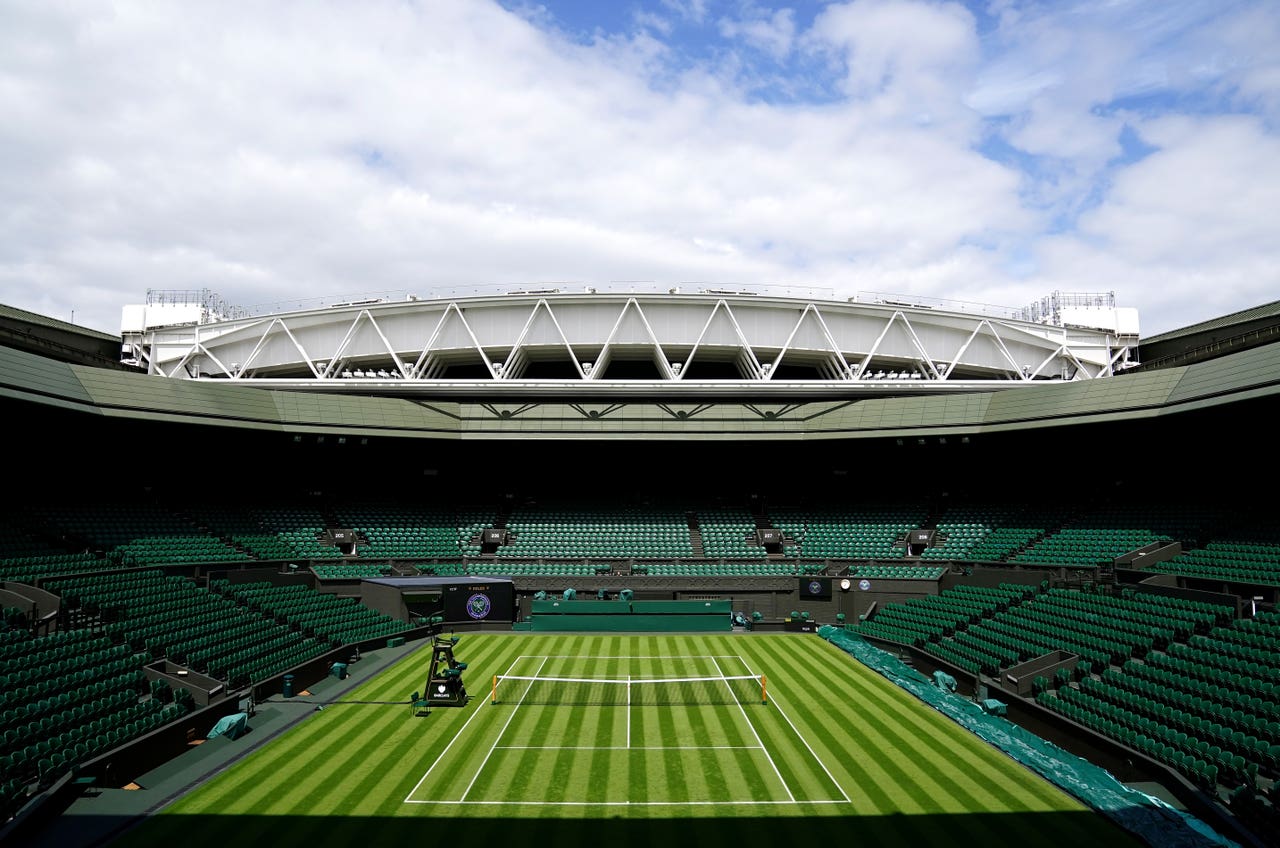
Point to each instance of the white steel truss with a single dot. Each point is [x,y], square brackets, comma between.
[427,346]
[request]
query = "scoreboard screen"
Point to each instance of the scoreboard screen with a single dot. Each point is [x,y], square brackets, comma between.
[816,588]
[479,601]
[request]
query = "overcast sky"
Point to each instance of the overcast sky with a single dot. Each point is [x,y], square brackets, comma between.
[985,151]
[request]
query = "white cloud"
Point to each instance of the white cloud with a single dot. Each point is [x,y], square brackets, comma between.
[773,32]
[325,152]
[649,20]
[1193,222]
[692,10]
[1090,51]
[921,53]
[280,152]
[1238,56]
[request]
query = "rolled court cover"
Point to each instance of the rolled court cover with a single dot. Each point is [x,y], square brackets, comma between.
[1148,817]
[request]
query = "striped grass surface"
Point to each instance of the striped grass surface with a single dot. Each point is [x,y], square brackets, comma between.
[838,753]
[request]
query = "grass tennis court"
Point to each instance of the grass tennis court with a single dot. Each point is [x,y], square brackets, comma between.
[649,729]
[828,751]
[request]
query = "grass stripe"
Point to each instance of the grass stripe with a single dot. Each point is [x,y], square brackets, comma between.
[971,790]
[673,785]
[638,772]
[912,775]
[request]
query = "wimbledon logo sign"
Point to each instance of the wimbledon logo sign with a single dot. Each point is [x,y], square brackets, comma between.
[478,606]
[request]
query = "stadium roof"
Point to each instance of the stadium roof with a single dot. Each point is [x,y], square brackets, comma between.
[51,337]
[664,345]
[1227,334]
[1266,310]
[12,314]
[118,394]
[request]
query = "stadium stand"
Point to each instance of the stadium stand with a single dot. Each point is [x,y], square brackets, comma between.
[728,532]
[399,530]
[136,534]
[65,698]
[241,527]
[850,531]
[338,620]
[350,571]
[1244,556]
[173,618]
[569,529]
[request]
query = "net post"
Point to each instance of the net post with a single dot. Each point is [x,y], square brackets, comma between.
[764,689]
[493,696]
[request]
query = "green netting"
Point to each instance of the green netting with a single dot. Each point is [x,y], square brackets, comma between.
[1148,817]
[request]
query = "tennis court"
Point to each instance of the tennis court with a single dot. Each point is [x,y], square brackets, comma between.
[836,750]
[675,725]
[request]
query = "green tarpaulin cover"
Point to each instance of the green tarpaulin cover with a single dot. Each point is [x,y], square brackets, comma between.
[232,726]
[1148,817]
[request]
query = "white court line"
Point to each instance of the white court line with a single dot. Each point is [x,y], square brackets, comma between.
[781,779]
[635,656]
[455,738]
[411,800]
[629,748]
[800,735]
[485,761]
[625,803]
